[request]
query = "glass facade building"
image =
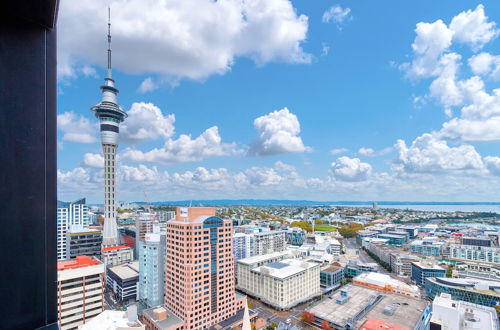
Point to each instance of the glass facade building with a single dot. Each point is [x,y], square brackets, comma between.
[421,271]
[479,292]
[295,236]
[331,276]
[152,254]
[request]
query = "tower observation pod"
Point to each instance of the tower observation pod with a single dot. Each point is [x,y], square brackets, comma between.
[110,116]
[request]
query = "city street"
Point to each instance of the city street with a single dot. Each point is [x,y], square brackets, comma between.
[350,243]
[274,316]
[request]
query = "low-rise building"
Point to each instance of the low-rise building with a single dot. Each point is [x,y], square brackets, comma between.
[360,235]
[80,291]
[295,236]
[411,230]
[421,270]
[475,253]
[448,313]
[353,305]
[282,284]
[331,276]
[401,263]
[385,283]
[477,241]
[426,247]
[479,270]
[476,291]
[160,318]
[356,267]
[117,255]
[123,280]
[394,239]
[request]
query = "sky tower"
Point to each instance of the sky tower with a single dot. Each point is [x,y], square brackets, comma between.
[110,116]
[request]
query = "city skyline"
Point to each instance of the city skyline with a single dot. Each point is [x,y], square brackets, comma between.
[322,111]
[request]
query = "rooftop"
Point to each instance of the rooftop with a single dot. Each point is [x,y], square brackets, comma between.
[110,320]
[472,316]
[285,268]
[425,265]
[375,324]
[78,262]
[118,247]
[407,311]
[168,322]
[262,258]
[487,286]
[126,271]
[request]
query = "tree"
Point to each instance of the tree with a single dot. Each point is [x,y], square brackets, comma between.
[302,224]
[307,317]
[325,325]
[449,272]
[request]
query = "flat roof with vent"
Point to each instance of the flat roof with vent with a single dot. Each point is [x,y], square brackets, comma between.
[407,311]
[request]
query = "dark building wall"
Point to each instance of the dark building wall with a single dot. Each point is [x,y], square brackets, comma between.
[28,164]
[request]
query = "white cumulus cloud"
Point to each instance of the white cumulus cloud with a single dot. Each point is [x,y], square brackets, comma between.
[146,121]
[183,149]
[350,169]
[76,128]
[472,27]
[278,133]
[179,38]
[428,154]
[93,160]
[492,164]
[486,64]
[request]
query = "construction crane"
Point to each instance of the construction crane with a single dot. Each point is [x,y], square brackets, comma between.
[148,208]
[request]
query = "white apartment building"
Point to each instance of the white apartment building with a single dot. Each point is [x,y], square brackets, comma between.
[80,291]
[476,253]
[259,243]
[449,314]
[279,282]
[268,242]
[69,214]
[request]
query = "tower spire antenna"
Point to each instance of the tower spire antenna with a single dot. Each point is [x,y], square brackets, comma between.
[110,74]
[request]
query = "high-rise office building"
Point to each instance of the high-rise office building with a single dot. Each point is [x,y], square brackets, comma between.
[110,116]
[69,214]
[200,268]
[152,253]
[80,291]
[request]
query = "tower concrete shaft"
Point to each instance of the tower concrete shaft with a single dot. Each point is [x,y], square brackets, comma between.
[110,116]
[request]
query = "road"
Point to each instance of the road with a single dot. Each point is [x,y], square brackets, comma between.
[274,316]
[350,243]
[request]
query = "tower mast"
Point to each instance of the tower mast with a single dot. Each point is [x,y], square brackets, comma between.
[110,116]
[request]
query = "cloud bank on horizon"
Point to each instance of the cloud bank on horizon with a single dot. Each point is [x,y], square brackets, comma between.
[186,43]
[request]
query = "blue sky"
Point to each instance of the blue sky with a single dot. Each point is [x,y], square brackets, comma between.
[383,100]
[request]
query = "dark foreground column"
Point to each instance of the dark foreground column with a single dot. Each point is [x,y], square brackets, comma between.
[28,186]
